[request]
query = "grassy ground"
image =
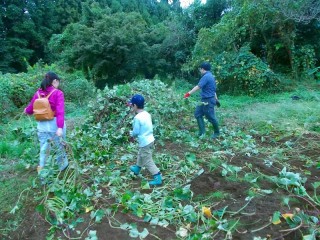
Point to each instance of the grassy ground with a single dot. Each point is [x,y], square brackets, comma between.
[278,111]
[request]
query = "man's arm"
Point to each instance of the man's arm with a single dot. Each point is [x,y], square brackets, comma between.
[196,88]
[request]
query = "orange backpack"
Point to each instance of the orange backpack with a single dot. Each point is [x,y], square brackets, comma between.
[41,108]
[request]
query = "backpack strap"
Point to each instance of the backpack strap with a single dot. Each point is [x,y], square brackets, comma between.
[39,96]
[50,93]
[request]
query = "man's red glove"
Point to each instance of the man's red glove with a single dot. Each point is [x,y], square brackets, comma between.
[187,95]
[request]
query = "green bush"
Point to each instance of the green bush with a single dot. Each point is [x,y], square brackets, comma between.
[6,106]
[243,72]
[16,91]
[76,88]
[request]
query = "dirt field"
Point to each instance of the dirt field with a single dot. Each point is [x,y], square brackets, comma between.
[253,220]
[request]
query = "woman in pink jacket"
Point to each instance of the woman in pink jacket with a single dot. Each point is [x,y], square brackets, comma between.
[51,132]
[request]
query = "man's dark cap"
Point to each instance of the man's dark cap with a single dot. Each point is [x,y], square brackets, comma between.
[206,66]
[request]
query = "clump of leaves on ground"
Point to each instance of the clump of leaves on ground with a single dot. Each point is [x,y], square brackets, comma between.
[110,120]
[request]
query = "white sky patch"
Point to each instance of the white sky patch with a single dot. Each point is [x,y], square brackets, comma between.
[186,3]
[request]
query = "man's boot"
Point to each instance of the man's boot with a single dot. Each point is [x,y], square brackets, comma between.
[215,135]
[216,132]
[201,126]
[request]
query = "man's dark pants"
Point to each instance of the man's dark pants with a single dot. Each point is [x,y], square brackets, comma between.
[206,109]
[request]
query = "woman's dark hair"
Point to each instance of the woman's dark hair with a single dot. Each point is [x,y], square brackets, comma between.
[48,79]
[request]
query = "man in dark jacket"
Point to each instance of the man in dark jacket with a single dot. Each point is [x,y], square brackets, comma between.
[207,84]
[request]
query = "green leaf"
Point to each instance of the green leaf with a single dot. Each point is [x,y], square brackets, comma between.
[144,233]
[276,218]
[145,185]
[92,235]
[14,209]
[191,157]
[154,221]
[224,172]
[134,232]
[88,192]
[40,208]
[192,217]
[183,194]
[200,172]
[147,217]
[126,197]
[309,237]
[316,185]
[168,202]
[99,214]
[220,212]
[188,209]
[286,201]
[125,226]
[139,212]
[266,191]
[163,223]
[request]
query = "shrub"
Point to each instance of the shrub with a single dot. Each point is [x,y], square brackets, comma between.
[243,72]
[6,105]
[16,91]
[77,88]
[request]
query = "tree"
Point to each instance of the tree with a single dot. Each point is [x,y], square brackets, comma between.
[26,27]
[208,14]
[300,11]
[171,42]
[270,34]
[17,30]
[115,47]
[113,50]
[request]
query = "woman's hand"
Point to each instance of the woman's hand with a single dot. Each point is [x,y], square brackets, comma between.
[59,132]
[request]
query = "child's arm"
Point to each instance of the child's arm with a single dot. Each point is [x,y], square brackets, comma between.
[136,128]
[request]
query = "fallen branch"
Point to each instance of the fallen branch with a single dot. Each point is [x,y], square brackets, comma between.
[293,229]
[307,200]
[234,213]
[258,229]
[248,214]
[244,232]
